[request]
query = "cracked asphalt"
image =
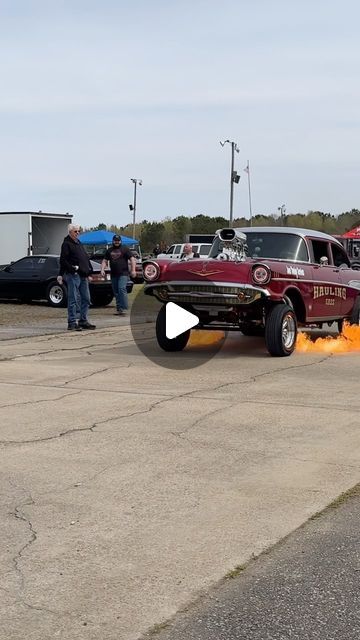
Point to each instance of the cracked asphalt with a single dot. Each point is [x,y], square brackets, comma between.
[129,491]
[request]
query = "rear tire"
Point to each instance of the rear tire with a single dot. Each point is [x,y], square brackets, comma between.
[56,295]
[280,330]
[355,314]
[176,344]
[340,325]
[101,300]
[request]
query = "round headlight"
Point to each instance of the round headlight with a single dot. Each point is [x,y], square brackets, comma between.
[261,274]
[151,271]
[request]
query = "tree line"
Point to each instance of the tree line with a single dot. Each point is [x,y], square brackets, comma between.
[168,231]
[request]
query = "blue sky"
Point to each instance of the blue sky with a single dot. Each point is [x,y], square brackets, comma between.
[94,93]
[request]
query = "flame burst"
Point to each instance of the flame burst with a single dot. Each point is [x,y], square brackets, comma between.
[200,338]
[347,341]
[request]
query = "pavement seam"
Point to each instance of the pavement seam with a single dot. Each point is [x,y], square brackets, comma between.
[188,394]
[342,409]
[22,404]
[65,350]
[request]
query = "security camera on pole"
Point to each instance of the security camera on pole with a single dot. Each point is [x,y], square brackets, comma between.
[132,207]
[234,176]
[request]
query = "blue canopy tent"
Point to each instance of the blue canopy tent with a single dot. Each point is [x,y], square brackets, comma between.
[102,237]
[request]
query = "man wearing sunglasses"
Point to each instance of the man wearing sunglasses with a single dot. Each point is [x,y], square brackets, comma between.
[75,270]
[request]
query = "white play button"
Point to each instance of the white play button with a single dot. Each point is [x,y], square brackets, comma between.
[178,320]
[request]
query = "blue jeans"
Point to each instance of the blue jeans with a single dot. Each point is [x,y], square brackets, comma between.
[78,297]
[119,288]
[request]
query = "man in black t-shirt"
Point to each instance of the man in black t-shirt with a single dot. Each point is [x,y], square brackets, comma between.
[119,257]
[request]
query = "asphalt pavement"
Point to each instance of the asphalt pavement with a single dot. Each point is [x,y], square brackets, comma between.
[306,588]
[128,490]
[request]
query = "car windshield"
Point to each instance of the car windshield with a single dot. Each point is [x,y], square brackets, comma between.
[261,244]
[95,265]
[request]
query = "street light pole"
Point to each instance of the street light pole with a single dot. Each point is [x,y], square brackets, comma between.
[234,176]
[282,211]
[132,207]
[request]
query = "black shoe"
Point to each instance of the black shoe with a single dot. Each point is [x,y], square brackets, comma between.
[74,327]
[86,325]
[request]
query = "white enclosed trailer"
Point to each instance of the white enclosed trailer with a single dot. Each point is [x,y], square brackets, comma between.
[26,233]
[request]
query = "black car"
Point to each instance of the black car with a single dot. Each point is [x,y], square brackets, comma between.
[34,278]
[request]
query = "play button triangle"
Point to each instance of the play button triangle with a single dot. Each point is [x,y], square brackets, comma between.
[178,320]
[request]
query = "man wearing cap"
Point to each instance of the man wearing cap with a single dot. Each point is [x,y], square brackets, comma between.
[119,257]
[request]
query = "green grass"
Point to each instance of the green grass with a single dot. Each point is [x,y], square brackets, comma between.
[343,497]
[235,572]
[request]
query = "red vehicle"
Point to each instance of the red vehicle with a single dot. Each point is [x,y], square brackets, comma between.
[260,281]
[352,248]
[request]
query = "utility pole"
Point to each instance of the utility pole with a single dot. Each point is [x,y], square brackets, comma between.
[282,211]
[247,170]
[132,207]
[234,176]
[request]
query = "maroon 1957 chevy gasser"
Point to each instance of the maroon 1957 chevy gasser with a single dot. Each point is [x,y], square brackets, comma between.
[260,281]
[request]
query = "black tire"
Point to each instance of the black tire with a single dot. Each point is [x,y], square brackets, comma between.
[56,294]
[176,344]
[130,286]
[340,325]
[355,314]
[101,300]
[249,329]
[280,330]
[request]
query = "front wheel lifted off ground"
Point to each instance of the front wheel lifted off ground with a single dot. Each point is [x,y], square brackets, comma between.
[280,330]
[176,344]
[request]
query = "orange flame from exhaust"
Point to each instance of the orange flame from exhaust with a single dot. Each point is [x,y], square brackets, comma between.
[204,338]
[348,341]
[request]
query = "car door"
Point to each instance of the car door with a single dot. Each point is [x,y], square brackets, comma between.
[178,249]
[346,275]
[21,279]
[6,282]
[170,252]
[327,292]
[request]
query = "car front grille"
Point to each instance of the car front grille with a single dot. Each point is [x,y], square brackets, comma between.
[207,294]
